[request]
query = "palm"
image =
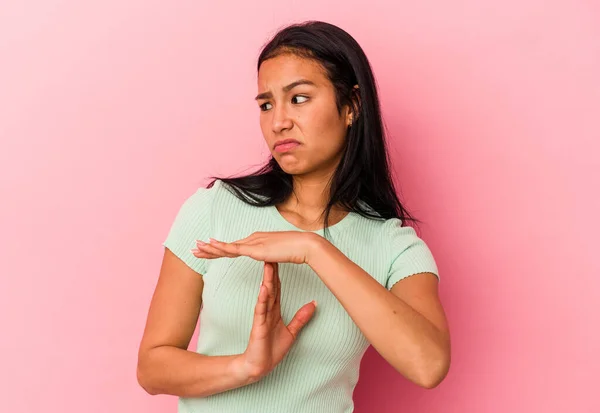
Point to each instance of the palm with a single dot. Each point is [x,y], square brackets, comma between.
[271,338]
[283,342]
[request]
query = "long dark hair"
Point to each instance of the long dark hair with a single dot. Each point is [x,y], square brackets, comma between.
[363,174]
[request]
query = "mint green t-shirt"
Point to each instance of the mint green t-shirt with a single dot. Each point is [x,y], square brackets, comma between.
[321,370]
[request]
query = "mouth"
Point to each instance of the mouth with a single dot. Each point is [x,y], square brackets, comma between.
[286,145]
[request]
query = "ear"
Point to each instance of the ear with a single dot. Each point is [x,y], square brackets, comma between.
[356,103]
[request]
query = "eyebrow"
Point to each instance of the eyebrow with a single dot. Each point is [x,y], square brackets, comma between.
[287,88]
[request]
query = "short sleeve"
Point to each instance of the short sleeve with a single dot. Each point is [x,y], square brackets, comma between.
[192,222]
[409,254]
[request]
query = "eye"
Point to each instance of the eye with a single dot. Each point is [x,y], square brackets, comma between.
[302,97]
[262,107]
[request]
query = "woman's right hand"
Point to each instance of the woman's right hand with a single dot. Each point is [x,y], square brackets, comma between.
[270,338]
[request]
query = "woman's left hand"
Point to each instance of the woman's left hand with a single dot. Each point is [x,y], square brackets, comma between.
[278,246]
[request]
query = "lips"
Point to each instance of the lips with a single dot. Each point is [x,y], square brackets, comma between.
[284,141]
[285,145]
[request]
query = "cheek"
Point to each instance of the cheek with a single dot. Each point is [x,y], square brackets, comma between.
[264,127]
[262,121]
[327,131]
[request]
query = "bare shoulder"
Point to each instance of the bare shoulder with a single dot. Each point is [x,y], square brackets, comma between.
[175,305]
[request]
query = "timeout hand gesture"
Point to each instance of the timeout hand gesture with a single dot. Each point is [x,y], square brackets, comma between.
[270,338]
[277,246]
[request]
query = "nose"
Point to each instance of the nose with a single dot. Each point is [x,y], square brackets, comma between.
[281,120]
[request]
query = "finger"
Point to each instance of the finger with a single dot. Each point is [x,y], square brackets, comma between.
[235,249]
[248,238]
[260,310]
[277,284]
[214,250]
[268,282]
[201,254]
[302,316]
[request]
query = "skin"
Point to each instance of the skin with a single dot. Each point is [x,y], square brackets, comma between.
[406,325]
[308,114]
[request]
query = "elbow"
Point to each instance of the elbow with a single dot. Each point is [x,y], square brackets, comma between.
[144,378]
[432,380]
[144,383]
[435,368]
[434,371]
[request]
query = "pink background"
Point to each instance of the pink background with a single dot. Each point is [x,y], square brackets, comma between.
[113,112]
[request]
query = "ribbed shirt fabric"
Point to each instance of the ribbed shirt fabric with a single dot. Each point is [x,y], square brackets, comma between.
[321,370]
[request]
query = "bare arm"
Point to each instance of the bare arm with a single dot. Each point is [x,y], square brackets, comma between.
[406,325]
[165,366]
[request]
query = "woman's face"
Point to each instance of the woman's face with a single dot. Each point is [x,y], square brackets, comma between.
[297,102]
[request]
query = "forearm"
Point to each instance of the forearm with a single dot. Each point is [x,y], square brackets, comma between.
[172,370]
[406,339]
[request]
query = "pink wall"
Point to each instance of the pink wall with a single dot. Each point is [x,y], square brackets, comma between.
[112,112]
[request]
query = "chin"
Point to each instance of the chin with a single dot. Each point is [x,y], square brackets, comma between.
[292,166]
[293,170]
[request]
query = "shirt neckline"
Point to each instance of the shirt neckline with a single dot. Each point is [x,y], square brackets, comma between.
[343,222]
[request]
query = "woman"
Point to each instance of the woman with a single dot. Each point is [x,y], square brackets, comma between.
[301,265]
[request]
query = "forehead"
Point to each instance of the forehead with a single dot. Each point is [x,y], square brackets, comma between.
[279,71]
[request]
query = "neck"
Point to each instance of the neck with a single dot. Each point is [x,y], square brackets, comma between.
[310,196]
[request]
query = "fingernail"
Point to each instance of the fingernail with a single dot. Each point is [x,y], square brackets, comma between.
[198,242]
[314,302]
[194,250]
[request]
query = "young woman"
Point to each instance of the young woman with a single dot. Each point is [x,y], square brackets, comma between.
[302,265]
